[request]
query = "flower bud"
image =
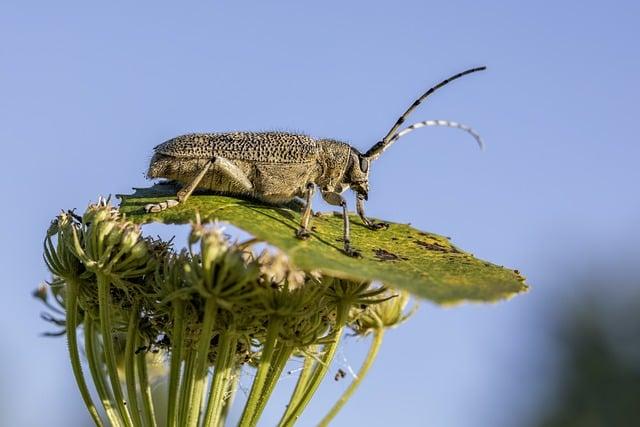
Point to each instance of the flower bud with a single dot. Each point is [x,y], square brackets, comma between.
[213,246]
[386,314]
[108,230]
[130,236]
[139,250]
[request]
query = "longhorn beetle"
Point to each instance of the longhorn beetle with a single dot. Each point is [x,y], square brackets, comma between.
[277,167]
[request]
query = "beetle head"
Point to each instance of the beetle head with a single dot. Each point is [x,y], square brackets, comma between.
[357,173]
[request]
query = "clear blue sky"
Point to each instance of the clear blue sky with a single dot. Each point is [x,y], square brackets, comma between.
[86,91]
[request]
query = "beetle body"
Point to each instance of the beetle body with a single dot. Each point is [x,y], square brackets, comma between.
[277,167]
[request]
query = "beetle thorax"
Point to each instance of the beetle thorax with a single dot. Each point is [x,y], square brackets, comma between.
[334,160]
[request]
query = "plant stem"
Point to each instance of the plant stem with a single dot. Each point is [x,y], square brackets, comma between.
[280,360]
[177,344]
[321,368]
[96,372]
[129,368]
[371,356]
[263,369]
[221,377]
[186,390]
[106,329]
[74,354]
[145,388]
[301,385]
[202,360]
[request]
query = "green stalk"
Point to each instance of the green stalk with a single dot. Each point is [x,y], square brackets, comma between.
[301,385]
[129,367]
[221,377]
[186,390]
[145,388]
[263,369]
[177,345]
[74,354]
[96,372]
[371,356]
[321,368]
[106,329]
[202,359]
[281,357]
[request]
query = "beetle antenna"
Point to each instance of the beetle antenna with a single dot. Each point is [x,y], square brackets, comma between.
[447,123]
[375,151]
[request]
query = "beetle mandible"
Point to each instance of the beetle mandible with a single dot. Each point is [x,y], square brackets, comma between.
[278,167]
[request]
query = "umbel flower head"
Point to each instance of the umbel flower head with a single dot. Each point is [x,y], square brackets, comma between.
[111,245]
[58,255]
[206,311]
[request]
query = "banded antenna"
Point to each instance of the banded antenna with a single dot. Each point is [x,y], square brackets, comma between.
[378,148]
[447,123]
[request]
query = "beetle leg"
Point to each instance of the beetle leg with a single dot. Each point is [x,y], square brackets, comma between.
[372,225]
[182,195]
[186,191]
[221,165]
[233,173]
[303,231]
[336,199]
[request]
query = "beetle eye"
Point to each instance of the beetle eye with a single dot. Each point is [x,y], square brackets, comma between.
[364,164]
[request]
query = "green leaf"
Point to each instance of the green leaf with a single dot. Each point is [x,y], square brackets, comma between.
[426,264]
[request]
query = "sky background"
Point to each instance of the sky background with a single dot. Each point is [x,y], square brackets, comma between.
[86,92]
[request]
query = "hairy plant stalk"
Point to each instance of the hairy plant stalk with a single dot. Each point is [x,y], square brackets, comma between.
[202,360]
[96,372]
[221,378]
[177,345]
[129,368]
[74,354]
[301,385]
[321,367]
[280,360]
[378,334]
[186,389]
[266,359]
[145,388]
[106,329]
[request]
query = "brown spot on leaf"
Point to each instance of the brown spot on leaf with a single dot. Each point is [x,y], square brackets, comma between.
[384,255]
[437,247]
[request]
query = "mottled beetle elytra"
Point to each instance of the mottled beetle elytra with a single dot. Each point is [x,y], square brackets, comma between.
[278,167]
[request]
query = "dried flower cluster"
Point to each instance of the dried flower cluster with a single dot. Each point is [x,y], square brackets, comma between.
[208,310]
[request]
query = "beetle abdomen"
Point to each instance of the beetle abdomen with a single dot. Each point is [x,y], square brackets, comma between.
[268,147]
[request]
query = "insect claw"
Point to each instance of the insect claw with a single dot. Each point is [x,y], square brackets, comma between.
[351,251]
[377,226]
[303,234]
